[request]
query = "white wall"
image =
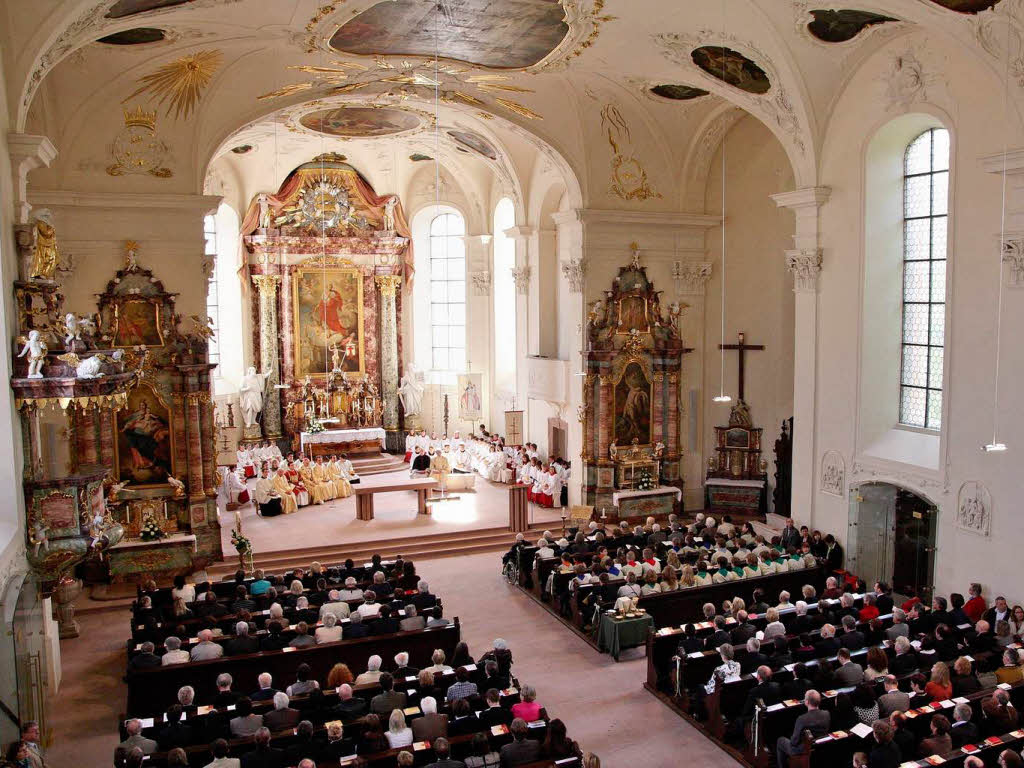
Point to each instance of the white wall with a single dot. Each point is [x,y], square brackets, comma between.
[967,98]
[758,288]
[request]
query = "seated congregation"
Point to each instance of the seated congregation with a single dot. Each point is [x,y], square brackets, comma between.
[319,666]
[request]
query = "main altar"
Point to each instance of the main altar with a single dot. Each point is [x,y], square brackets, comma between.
[328,258]
[632,374]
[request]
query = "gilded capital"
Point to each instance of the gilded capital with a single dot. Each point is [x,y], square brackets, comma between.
[388,284]
[266,283]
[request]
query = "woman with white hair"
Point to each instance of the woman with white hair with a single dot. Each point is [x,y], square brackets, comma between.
[500,654]
[291,597]
[372,673]
[277,614]
[399,734]
[438,658]
[774,626]
[330,632]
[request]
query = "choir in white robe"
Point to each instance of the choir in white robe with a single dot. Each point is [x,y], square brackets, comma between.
[246,462]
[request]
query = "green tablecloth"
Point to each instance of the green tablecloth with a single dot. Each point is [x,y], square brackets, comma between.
[615,634]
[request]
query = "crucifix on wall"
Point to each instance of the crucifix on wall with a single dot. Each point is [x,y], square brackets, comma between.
[742,347]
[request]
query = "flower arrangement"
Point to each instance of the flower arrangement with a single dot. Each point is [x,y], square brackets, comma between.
[240,542]
[313,425]
[645,482]
[150,529]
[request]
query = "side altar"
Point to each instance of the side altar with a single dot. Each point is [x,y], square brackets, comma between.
[631,455]
[329,258]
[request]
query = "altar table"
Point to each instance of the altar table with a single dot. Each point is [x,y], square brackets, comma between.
[728,496]
[135,560]
[615,634]
[632,505]
[352,441]
[364,495]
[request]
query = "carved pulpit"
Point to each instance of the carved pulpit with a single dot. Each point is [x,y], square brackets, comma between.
[631,393]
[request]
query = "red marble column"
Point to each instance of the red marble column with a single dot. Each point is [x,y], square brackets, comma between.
[85,438]
[589,398]
[605,415]
[209,444]
[180,436]
[195,447]
[105,419]
[658,409]
[672,444]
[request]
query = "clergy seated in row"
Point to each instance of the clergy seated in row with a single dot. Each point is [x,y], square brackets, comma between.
[283,488]
[268,500]
[420,464]
[440,466]
[233,486]
[245,462]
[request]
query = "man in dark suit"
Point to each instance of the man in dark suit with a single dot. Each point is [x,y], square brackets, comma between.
[355,627]
[177,732]
[743,630]
[274,641]
[767,690]
[304,747]
[963,731]
[790,536]
[388,699]
[905,660]
[225,696]
[441,750]
[893,700]
[814,720]
[719,637]
[852,638]
[266,691]
[283,717]
[495,714]
[402,668]
[385,624]
[522,750]
[494,678]
[754,657]
[423,599]
[144,659]
[886,753]
[883,598]
[208,606]
[336,746]
[242,642]
[264,755]
[349,707]
[828,645]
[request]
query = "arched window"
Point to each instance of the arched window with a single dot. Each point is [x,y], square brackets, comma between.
[447,293]
[504,298]
[925,214]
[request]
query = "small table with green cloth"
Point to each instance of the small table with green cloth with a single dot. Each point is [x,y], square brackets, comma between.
[614,634]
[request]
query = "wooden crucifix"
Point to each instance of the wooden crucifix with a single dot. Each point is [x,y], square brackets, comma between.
[742,347]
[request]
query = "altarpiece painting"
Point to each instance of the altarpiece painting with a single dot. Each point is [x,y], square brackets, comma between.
[328,321]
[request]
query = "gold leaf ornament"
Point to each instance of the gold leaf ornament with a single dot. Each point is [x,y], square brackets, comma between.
[181,82]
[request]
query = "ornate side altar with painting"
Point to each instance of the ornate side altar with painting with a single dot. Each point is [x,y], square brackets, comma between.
[328,258]
[631,454]
[116,411]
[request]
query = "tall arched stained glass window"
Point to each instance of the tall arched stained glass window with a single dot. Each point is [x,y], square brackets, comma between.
[925,218]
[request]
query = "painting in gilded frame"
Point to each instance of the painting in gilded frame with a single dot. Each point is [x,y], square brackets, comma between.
[137,323]
[59,513]
[633,406]
[144,454]
[328,307]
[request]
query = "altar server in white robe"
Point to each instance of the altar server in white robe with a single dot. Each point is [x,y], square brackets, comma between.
[347,470]
[275,451]
[233,487]
[245,462]
[410,445]
[537,493]
[493,464]
[462,460]
[556,488]
[267,499]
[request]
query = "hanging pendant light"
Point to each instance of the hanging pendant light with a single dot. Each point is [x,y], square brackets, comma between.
[722,397]
[995,446]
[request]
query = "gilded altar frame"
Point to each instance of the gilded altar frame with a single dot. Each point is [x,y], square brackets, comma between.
[325,272]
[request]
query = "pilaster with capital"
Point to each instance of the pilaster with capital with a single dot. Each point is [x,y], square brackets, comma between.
[805,261]
[389,285]
[266,286]
[27,152]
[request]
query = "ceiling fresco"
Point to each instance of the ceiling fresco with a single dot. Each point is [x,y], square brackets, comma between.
[678,92]
[502,34]
[123,8]
[967,6]
[360,122]
[845,24]
[475,143]
[731,67]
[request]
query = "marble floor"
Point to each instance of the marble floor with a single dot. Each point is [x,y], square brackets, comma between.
[485,506]
[602,702]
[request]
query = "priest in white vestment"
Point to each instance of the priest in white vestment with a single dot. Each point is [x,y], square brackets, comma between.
[267,499]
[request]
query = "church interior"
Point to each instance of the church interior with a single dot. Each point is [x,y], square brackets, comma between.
[511,382]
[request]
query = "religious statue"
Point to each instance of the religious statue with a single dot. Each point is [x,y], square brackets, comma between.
[45,256]
[38,538]
[131,251]
[389,213]
[336,359]
[264,203]
[739,416]
[178,486]
[595,315]
[72,332]
[411,394]
[36,350]
[250,395]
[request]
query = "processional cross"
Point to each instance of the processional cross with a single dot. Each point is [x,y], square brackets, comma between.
[742,347]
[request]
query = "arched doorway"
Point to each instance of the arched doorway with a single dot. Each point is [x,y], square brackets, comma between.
[891,538]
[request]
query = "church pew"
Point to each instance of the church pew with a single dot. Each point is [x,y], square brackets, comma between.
[148,690]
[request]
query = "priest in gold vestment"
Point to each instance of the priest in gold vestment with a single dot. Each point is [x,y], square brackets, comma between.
[289,503]
[322,476]
[341,483]
[316,489]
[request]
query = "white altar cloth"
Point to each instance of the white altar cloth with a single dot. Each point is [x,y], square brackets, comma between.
[734,483]
[652,492]
[342,436]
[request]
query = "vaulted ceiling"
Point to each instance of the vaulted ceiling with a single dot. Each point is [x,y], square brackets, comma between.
[510,84]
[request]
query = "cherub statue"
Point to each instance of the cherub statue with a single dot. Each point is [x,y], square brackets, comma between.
[96,529]
[675,313]
[38,538]
[595,315]
[72,331]
[131,252]
[177,485]
[36,350]
[89,368]
[114,490]
[88,326]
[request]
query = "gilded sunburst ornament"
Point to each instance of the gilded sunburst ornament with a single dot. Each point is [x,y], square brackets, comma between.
[181,82]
